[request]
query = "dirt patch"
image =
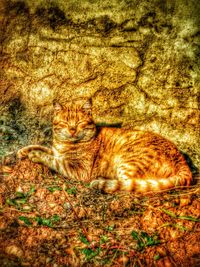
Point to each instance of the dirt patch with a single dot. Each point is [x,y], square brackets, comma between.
[48,220]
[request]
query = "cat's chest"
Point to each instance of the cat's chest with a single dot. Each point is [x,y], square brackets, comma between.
[76,152]
[68,154]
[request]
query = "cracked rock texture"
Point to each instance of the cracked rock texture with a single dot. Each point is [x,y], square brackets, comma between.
[137,59]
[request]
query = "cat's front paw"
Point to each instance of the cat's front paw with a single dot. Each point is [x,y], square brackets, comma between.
[35,156]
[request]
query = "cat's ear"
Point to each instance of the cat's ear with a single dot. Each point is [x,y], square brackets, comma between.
[57,107]
[87,105]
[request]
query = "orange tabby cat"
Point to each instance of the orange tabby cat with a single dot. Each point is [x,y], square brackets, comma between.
[112,158]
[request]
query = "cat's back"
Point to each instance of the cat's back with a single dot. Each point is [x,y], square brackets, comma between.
[122,136]
[129,140]
[116,134]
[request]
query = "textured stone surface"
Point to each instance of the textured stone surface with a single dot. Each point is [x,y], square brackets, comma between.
[138,60]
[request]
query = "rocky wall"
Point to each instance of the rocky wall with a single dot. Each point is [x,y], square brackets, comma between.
[138,60]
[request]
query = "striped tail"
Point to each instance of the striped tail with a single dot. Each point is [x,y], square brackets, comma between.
[182,178]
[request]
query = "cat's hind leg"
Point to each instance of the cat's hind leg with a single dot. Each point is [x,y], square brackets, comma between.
[24,151]
[107,185]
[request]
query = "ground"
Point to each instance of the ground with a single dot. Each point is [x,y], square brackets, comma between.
[139,63]
[48,220]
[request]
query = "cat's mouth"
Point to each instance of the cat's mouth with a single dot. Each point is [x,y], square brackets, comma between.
[70,138]
[79,138]
[75,137]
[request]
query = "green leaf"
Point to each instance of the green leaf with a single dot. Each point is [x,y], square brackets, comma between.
[181,227]
[25,195]
[110,228]
[87,184]
[47,222]
[150,240]
[31,191]
[189,218]
[144,240]
[54,188]
[156,257]
[90,253]
[55,218]
[141,245]
[25,220]
[71,191]
[43,221]
[84,239]
[170,213]
[103,239]
[20,195]
[38,220]
[11,202]
[21,201]
[135,235]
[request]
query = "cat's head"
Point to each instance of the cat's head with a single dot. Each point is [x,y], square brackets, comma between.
[73,122]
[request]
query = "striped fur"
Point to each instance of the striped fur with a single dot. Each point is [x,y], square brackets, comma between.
[112,158]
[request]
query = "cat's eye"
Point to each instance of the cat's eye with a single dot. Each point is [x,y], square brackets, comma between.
[60,126]
[80,123]
[63,124]
[83,123]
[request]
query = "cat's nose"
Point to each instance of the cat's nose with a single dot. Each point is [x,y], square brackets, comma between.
[72,131]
